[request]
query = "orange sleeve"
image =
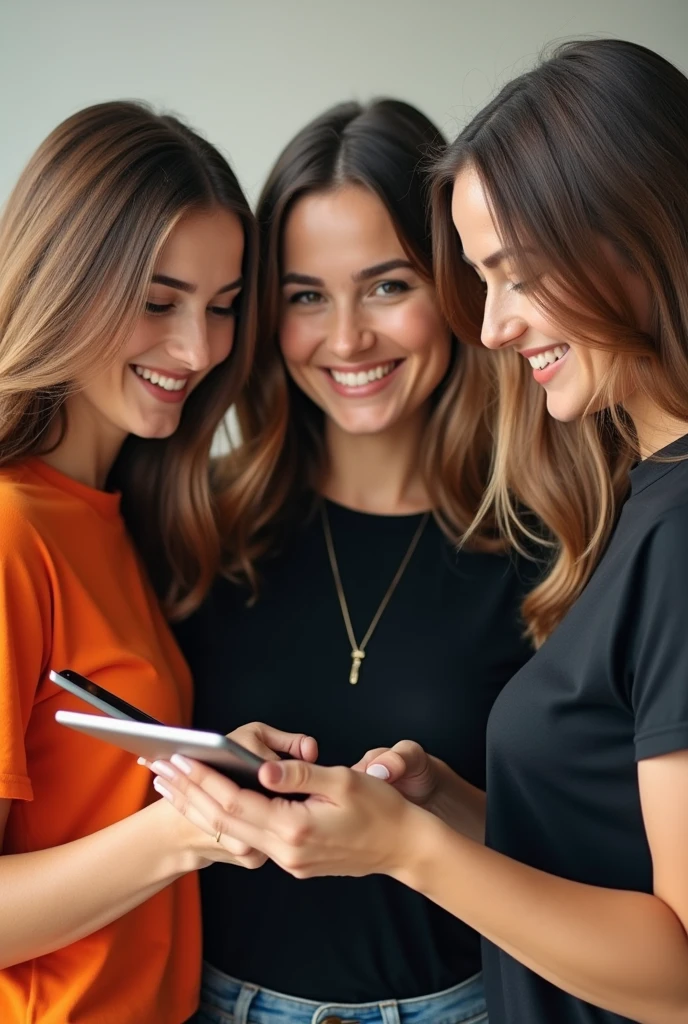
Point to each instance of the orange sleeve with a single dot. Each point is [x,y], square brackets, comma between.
[25,603]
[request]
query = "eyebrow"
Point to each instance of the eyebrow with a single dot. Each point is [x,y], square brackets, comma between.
[494,259]
[184,286]
[361,275]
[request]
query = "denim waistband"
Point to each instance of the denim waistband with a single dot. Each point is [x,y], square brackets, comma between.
[245,1002]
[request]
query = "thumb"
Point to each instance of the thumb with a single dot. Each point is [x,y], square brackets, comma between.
[295,777]
[405,760]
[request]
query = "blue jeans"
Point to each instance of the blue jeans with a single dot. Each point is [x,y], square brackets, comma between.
[225,1000]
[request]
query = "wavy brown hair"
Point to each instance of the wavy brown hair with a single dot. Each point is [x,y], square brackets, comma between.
[78,242]
[591,145]
[269,482]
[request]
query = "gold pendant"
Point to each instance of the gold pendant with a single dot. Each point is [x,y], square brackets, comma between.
[356,659]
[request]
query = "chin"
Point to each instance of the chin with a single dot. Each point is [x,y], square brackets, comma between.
[155,431]
[562,410]
[364,428]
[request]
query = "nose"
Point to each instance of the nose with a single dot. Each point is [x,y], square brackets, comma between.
[347,335]
[500,326]
[189,344]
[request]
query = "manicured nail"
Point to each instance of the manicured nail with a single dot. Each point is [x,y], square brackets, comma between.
[162,768]
[162,789]
[378,771]
[181,763]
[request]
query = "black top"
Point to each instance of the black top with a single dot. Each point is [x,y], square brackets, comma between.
[448,641]
[607,689]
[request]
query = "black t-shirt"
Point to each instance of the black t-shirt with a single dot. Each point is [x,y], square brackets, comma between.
[608,688]
[448,641]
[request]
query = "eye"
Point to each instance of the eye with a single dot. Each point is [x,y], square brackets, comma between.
[390,288]
[225,311]
[521,287]
[158,308]
[304,298]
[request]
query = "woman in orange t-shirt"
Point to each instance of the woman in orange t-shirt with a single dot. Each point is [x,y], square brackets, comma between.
[123,251]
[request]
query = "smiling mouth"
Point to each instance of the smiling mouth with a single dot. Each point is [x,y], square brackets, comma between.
[161,381]
[551,355]
[360,378]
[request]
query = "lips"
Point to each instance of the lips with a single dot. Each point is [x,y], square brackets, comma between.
[167,382]
[359,378]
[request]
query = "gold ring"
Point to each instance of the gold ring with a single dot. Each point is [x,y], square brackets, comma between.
[217,837]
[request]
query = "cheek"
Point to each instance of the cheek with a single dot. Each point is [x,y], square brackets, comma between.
[591,364]
[147,335]
[222,341]
[422,333]
[298,339]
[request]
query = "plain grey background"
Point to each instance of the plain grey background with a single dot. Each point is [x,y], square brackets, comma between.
[249,74]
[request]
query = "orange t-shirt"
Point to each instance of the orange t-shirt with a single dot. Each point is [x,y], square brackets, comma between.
[73,595]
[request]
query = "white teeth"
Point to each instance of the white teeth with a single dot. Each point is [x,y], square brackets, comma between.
[542,359]
[363,377]
[166,383]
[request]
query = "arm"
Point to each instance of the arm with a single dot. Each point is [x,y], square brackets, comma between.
[54,897]
[624,951]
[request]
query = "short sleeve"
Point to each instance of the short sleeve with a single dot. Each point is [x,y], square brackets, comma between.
[25,613]
[659,687]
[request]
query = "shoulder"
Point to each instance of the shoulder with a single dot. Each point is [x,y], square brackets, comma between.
[662,553]
[23,516]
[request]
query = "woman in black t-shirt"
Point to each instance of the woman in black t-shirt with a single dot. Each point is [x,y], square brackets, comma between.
[569,197]
[349,615]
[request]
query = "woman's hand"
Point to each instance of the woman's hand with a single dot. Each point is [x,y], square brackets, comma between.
[429,783]
[194,831]
[407,767]
[352,823]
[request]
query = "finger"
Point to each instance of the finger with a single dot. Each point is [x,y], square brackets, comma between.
[303,777]
[265,741]
[417,759]
[179,800]
[367,758]
[200,809]
[404,760]
[189,800]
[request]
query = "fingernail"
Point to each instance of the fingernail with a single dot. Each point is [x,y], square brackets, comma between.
[159,786]
[181,763]
[162,768]
[378,771]
[272,771]
[142,760]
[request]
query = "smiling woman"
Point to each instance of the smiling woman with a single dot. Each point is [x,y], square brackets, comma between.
[346,612]
[123,250]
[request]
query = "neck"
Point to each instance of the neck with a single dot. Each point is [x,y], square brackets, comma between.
[655,428]
[86,452]
[377,473]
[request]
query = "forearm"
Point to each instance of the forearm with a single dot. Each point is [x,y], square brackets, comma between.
[624,951]
[457,803]
[54,897]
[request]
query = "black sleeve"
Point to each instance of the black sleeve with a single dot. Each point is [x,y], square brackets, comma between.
[659,687]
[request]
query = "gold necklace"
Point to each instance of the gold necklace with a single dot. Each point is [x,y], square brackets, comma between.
[358,650]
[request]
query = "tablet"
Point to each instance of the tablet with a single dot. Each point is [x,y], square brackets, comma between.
[159,742]
[92,693]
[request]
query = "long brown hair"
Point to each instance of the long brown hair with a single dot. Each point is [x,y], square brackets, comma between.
[590,145]
[78,243]
[269,481]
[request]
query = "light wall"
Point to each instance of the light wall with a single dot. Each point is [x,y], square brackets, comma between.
[248,75]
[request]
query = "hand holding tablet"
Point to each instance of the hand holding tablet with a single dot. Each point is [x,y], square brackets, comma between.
[133,730]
